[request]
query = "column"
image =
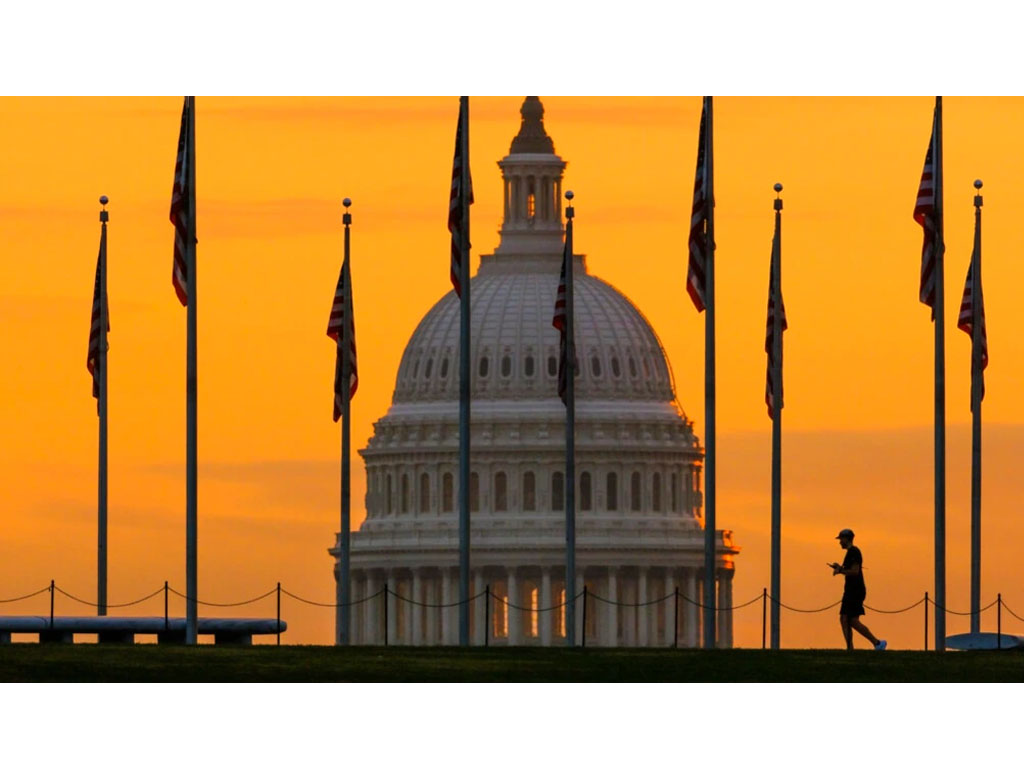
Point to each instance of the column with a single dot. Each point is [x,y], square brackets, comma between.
[416,635]
[515,616]
[546,599]
[407,612]
[670,607]
[430,596]
[478,609]
[642,611]
[371,610]
[611,611]
[448,615]
[692,623]
[394,604]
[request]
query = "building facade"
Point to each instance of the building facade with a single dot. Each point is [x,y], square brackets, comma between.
[639,524]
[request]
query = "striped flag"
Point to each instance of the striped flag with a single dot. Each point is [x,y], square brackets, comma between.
[979,357]
[180,195]
[455,206]
[925,215]
[559,321]
[769,338]
[96,336]
[337,329]
[697,273]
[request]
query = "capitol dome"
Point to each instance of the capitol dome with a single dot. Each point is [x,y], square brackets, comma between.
[639,527]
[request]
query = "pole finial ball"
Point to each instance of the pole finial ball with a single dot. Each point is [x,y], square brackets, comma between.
[569,195]
[347,202]
[104,199]
[777,187]
[977,183]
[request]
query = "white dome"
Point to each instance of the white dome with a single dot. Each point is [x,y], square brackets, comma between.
[515,347]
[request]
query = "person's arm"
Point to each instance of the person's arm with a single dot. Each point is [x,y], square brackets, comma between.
[853,570]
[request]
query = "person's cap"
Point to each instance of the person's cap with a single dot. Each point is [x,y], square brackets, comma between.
[845,532]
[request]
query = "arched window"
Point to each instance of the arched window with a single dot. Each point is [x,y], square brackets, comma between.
[528,366]
[424,492]
[675,492]
[506,366]
[632,367]
[529,492]
[430,367]
[531,205]
[612,491]
[557,492]
[595,366]
[616,370]
[635,496]
[500,492]
[416,368]
[484,365]
[552,365]
[388,501]
[444,368]
[585,502]
[405,493]
[448,492]
[474,492]
[656,492]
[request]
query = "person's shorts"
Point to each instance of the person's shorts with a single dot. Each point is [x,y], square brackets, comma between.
[853,605]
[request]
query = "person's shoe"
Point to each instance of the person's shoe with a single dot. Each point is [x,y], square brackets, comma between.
[881,645]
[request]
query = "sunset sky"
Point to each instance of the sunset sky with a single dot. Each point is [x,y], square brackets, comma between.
[271,173]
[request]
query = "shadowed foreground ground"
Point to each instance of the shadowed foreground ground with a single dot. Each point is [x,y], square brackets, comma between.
[151,663]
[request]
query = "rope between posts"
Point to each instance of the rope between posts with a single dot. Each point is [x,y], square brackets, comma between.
[964,613]
[434,605]
[1007,609]
[900,610]
[631,605]
[378,593]
[108,605]
[804,610]
[25,597]
[224,605]
[730,608]
[562,604]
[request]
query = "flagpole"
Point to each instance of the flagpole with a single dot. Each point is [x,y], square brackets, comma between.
[570,436]
[709,392]
[940,395]
[191,516]
[344,583]
[101,554]
[977,329]
[777,404]
[464,377]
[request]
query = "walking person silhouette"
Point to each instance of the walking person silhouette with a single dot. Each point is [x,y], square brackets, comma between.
[854,592]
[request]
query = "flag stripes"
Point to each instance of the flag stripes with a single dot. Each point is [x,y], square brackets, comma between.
[455,206]
[772,400]
[697,272]
[925,215]
[979,357]
[337,329]
[95,334]
[180,194]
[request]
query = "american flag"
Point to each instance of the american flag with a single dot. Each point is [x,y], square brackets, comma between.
[696,275]
[769,337]
[336,327]
[455,207]
[96,337]
[966,323]
[559,321]
[924,214]
[180,195]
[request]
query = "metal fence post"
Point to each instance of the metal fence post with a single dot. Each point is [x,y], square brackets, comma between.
[926,621]
[167,617]
[51,603]
[385,596]
[279,613]
[583,629]
[764,615]
[675,626]
[487,615]
[999,621]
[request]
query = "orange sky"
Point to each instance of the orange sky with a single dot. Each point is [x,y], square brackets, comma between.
[271,173]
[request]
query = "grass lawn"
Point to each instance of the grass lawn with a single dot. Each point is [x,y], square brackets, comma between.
[30,662]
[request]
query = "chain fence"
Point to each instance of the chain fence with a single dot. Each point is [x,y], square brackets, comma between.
[492,599]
